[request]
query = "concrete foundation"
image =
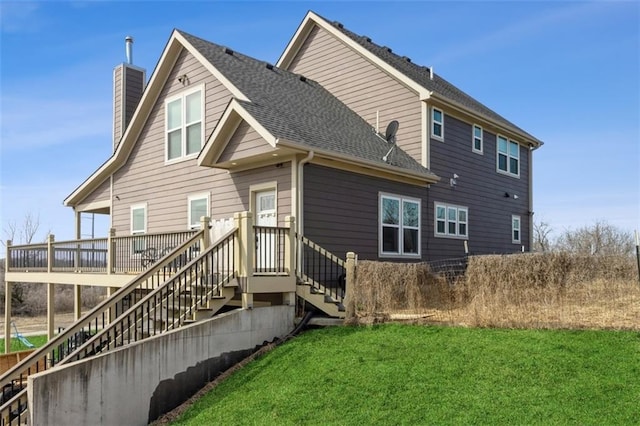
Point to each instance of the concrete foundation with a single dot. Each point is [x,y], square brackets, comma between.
[136,384]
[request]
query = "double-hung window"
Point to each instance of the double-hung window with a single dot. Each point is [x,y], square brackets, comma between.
[515,229]
[437,123]
[138,227]
[451,221]
[399,226]
[477,139]
[184,128]
[198,206]
[508,156]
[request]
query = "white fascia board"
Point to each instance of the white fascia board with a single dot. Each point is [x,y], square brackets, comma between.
[313,19]
[349,159]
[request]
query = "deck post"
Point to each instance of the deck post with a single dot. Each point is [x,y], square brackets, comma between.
[244,259]
[111,251]
[8,287]
[77,302]
[206,237]
[290,251]
[350,280]
[50,252]
[51,309]
[51,306]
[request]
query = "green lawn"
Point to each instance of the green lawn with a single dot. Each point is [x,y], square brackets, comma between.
[402,374]
[17,345]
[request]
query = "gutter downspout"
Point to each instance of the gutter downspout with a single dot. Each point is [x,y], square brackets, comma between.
[300,207]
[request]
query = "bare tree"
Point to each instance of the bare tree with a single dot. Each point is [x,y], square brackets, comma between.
[19,233]
[541,236]
[600,238]
[25,232]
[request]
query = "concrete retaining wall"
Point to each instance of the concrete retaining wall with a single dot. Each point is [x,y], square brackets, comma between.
[136,384]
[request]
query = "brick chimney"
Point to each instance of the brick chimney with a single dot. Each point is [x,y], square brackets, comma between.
[128,85]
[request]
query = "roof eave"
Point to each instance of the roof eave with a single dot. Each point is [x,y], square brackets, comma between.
[349,159]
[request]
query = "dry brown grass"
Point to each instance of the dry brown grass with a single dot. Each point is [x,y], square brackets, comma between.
[553,290]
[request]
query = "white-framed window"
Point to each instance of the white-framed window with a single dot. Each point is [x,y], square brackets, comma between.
[184,126]
[138,227]
[508,153]
[437,123]
[197,206]
[451,221]
[399,220]
[515,229]
[477,139]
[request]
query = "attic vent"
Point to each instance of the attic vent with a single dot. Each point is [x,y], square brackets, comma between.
[303,78]
[406,58]
[388,49]
[338,24]
[227,51]
[269,66]
[367,39]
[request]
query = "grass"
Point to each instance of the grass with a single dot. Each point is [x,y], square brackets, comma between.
[410,374]
[16,345]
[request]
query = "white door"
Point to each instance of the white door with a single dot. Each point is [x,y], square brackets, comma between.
[266,217]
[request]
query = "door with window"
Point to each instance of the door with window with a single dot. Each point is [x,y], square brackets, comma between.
[266,240]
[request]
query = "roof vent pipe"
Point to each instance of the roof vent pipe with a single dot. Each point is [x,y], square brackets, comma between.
[431,73]
[128,42]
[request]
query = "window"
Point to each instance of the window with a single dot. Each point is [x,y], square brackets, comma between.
[437,123]
[451,221]
[477,139]
[138,227]
[198,206]
[184,124]
[508,156]
[399,226]
[515,229]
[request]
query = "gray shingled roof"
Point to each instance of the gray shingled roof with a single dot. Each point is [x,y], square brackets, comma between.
[421,75]
[301,110]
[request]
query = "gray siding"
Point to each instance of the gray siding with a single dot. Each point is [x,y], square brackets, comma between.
[362,86]
[145,178]
[134,86]
[246,142]
[102,193]
[480,188]
[341,210]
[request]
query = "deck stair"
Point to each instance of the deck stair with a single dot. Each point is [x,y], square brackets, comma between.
[321,278]
[135,312]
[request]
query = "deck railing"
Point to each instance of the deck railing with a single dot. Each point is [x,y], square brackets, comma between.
[170,305]
[122,255]
[270,250]
[61,346]
[321,269]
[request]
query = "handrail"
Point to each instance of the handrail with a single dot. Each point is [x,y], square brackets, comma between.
[141,320]
[321,269]
[59,347]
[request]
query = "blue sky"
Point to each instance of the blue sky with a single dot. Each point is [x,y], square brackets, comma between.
[566,72]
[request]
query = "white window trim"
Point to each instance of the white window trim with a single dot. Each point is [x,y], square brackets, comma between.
[137,207]
[507,172]
[433,122]
[446,233]
[473,139]
[400,252]
[519,229]
[182,95]
[199,196]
